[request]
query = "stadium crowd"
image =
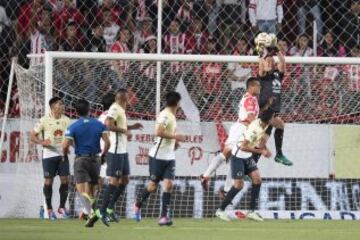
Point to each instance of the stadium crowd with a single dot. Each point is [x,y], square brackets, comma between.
[189,27]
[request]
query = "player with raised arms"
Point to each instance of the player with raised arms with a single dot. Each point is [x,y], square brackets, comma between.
[117,159]
[242,163]
[162,158]
[49,132]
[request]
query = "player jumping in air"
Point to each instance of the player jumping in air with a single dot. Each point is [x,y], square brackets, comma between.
[117,159]
[162,158]
[51,128]
[248,111]
[242,163]
[271,76]
[85,135]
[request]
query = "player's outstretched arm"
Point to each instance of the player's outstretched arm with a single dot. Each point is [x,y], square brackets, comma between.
[135,126]
[281,65]
[111,126]
[66,146]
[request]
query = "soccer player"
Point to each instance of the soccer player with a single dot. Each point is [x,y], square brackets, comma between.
[85,135]
[248,111]
[271,80]
[242,163]
[49,132]
[118,166]
[162,158]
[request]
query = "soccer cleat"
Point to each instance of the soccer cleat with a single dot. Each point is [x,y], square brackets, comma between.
[165,221]
[204,182]
[255,216]
[137,213]
[222,215]
[52,215]
[83,216]
[102,217]
[64,212]
[112,216]
[280,158]
[91,221]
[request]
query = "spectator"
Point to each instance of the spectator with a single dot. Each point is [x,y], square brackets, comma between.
[351,26]
[313,7]
[3,17]
[283,47]
[34,8]
[302,47]
[233,12]
[184,14]
[68,13]
[142,34]
[111,29]
[329,47]
[174,40]
[266,16]
[71,41]
[121,67]
[116,12]
[208,12]
[95,40]
[42,35]
[238,72]
[353,71]
[196,37]
[148,69]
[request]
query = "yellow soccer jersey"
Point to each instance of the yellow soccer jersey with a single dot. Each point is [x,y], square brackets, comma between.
[118,140]
[164,149]
[253,134]
[53,129]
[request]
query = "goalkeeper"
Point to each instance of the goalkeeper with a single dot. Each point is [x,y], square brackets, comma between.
[271,76]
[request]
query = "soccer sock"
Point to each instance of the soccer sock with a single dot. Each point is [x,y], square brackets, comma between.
[142,198]
[165,204]
[87,202]
[48,195]
[229,197]
[63,190]
[255,190]
[115,196]
[215,163]
[278,135]
[107,195]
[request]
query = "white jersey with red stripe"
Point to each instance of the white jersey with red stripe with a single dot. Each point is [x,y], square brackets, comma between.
[248,105]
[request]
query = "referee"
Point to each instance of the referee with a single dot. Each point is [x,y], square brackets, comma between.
[85,134]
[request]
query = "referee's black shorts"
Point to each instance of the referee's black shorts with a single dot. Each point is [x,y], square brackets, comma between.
[87,169]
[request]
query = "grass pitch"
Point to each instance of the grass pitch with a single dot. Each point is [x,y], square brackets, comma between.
[188,229]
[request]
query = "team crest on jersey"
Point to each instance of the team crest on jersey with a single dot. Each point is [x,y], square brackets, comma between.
[58,133]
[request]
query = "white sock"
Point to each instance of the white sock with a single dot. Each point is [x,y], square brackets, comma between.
[86,203]
[228,181]
[215,163]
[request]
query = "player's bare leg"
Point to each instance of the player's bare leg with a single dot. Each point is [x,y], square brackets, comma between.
[220,213]
[279,124]
[86,192]
[214,164]
[255,190]
[47,189]
[64,191]
[165,219]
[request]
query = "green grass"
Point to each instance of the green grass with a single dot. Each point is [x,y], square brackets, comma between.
[188,229]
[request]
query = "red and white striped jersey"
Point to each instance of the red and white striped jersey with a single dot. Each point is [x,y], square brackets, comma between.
[120,65]
[248,105]
[139,40]
[195,42]
[148,69]
[353,75]
[175,44]
[211,74]
[184,13]
[39,44]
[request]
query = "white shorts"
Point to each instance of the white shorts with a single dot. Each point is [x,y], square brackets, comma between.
[103,170]
[235,134]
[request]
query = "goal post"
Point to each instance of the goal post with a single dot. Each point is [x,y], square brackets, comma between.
[321,107]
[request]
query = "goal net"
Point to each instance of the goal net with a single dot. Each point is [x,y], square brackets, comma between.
[320,105]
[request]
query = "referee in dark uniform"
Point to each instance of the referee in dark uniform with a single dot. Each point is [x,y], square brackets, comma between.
[85,134]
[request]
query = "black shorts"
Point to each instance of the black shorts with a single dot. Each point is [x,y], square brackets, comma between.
[87,169]
[117,165]
[242,166]
[276,106]
[161,169]
[55,166]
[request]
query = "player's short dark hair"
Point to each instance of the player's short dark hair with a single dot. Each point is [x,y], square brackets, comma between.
[54,100]
[107,100]
[251,81]
[266,115]
[172,99]
[82,107]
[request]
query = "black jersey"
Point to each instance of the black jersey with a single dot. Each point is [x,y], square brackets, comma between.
[271,87]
